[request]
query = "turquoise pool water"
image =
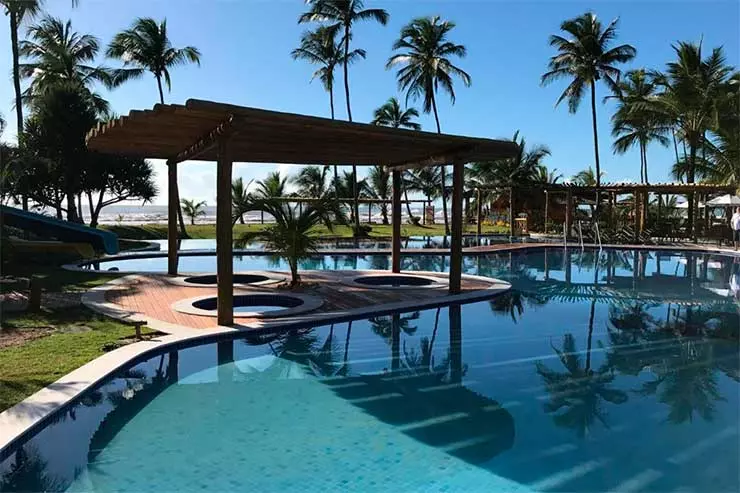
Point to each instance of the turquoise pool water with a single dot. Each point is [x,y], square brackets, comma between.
[616,371]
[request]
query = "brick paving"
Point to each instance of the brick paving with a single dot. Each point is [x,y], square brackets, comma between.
[153,296]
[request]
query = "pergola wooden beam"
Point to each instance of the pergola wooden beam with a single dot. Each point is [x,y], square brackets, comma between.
[207,142]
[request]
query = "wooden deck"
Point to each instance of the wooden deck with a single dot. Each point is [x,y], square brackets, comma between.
[154,295]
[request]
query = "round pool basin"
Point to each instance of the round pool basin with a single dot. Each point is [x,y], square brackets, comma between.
[396,281]
[211,279]
[253,305]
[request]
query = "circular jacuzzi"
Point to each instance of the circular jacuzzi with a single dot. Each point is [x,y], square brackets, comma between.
[241,279]
[210,279]
[397,281]
[253,305]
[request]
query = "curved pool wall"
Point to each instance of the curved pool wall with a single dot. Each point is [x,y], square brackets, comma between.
[563,384]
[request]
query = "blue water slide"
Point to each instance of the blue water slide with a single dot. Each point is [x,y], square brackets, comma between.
[48,227]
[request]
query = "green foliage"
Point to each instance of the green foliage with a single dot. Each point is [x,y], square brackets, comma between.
[145,46]
[425,61]
[391,115]
[289,234]
[193,209]
[584,56]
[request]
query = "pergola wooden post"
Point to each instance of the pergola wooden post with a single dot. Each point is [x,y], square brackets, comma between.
[479,208]
[458,169]
[224,235]
[511,210]
[547,206]
[568,211]
[396,221]
[172,217]
[636,202]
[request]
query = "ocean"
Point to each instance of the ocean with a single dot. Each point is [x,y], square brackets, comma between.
[157,214]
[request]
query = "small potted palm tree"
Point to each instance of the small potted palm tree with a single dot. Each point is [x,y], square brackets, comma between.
[289,234]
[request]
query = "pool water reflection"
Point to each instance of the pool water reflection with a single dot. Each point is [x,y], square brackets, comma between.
[616,371]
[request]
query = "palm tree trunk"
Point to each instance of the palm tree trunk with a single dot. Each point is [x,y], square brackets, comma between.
[346,71]
[180,219]
[444,195]
[17,85]
[675,144]
[355,196]
[596,135]
[408,206]
[159,86]
[644,160]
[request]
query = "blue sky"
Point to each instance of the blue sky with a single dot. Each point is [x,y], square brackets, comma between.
[246,46]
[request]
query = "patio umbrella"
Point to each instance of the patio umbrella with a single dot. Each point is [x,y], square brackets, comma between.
[726,200]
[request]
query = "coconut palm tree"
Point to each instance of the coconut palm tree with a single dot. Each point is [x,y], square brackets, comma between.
[425,66]
[289,235]
[692,89]
[544,176]
[632,125]
[587,178]
[320,47]
[239,199]
[145,47]
[193,209]
[56,54]
[271,187]
[311,181]
[427,181]
[340,16]
[379,185]
[391,115]
[585,56]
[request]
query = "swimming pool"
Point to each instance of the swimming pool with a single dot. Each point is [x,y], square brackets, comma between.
[350,244]
[611,371]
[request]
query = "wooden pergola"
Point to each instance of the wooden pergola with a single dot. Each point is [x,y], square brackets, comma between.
[639,191]
[224,133]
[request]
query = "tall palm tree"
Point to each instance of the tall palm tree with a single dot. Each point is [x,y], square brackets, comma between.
[18,11]
[312,182]
[379,186]
[56,54]
[340,16]
[427,181]
[320,47]
[425,66]
[391,115]
[693,87]
[544,176]
[193,209]
[587,178]
[585,57]
[272,186]
[632,125]
[239,199]
[144,47]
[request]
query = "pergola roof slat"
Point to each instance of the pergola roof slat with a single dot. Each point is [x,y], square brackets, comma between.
[177,132]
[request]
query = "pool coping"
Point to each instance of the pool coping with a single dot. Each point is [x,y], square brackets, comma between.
[26,417]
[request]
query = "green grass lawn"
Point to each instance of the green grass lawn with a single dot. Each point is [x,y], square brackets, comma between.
[36,349]
[205,231]
[59,343]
